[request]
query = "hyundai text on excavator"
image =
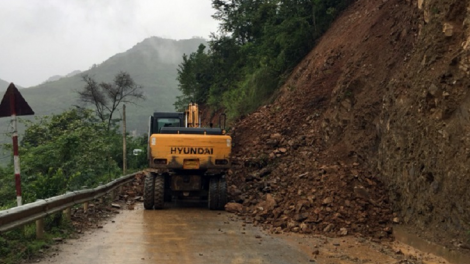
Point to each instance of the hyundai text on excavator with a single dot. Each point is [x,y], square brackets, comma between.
[186,160]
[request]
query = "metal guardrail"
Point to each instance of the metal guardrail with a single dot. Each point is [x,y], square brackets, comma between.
[27,213]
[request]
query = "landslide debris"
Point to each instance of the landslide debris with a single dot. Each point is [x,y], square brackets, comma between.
[370,129]
[307,162]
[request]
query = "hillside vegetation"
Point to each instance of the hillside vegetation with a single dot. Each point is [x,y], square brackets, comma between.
[258,45]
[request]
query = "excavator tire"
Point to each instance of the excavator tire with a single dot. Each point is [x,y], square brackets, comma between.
[149,183]
[159,194]
[213,199]
[222,194]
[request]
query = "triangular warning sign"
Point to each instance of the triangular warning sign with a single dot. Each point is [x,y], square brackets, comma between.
[13,101]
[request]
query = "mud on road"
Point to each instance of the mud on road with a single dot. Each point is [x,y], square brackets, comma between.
[194,234]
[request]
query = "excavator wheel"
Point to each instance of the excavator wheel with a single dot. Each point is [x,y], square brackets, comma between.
[149,191]
[217,193]
[213,199]
[222,193]
[159,193]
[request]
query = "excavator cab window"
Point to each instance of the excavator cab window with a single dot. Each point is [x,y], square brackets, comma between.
[167,122]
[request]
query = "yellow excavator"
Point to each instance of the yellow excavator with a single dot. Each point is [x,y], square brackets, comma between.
[186,161]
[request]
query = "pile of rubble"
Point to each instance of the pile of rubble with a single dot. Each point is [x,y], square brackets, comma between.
[279,183]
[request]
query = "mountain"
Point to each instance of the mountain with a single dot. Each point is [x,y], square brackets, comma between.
[152,64]
[54,78]
[58,77]
[73,73]
[3,85]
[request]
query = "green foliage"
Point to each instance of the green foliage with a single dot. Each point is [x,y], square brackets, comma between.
[260,42]
[61,153]
[139,161]
[21,243]
[195,78]
[7,187]
[65,152]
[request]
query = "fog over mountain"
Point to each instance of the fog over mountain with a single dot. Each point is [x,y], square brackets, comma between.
[152,64]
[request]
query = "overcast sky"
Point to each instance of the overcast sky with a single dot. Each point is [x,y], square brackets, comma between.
[42,38]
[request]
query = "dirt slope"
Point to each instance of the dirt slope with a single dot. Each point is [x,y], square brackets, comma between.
[368,130]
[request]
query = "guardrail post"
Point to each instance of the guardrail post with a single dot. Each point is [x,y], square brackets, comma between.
[68,213]
[40,228]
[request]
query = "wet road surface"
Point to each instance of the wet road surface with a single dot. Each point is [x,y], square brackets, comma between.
[190,233]
[178,235]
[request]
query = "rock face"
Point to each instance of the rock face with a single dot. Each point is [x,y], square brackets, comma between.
[370,127]
[424,124]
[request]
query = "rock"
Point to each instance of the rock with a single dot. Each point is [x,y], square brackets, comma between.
[270,202]
[328,228]
[252,177]
[396,220]
[116,205]
[448,29]
[361,192]
[234,207]
[300,217]
[57,239]
[343,231]
[464,246]
[420,4]
[233,190]
[433,89]
[264,172]
[327,200]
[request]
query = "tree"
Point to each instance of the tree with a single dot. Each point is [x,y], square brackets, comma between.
[106,97]
[65,152]
[195,76]
[258,45]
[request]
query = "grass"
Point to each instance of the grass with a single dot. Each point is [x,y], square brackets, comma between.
[21,243]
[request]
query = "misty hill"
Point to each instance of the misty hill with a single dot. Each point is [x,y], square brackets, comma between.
[3,85]
[152,64]
[58,77]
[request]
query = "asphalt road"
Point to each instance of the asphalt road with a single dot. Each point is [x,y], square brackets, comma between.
[178,235]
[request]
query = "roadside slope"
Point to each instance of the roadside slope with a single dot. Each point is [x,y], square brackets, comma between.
[370,128]
[315,141]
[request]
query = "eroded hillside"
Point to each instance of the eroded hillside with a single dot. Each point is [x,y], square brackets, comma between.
[370,130]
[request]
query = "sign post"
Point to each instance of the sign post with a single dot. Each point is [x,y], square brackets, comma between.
[13,104]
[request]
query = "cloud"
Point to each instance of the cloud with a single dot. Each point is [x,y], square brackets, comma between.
[42,38]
